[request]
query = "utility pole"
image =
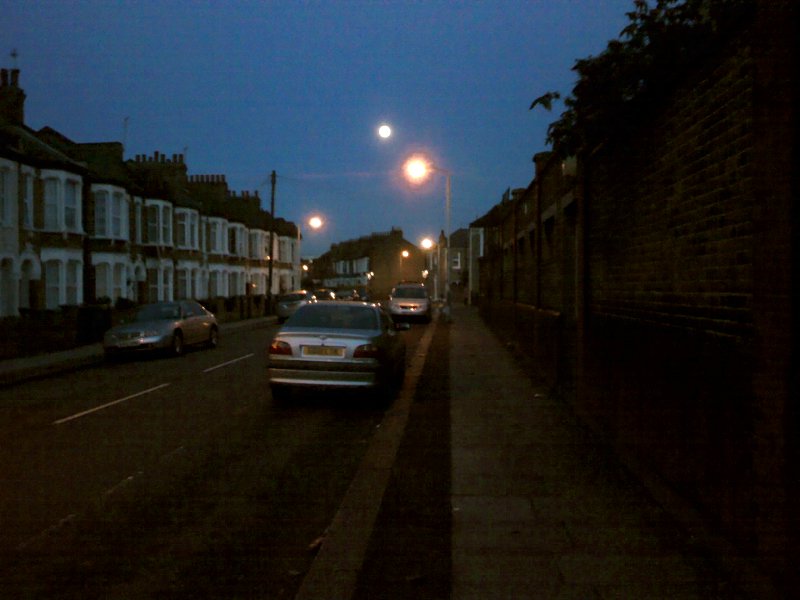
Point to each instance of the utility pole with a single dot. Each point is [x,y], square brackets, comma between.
[273,177]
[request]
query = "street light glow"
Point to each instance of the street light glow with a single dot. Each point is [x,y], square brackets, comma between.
[426,244]
[315,222]
[417,169]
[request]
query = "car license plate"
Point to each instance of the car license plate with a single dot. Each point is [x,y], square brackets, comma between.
[337,351]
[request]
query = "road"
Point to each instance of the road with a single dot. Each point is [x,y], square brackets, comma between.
[172,477]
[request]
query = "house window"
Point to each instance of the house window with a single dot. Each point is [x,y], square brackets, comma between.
[74,271]
[237,240]
[28,202]
[167,283]
[182,222]
[101,214]
[213,284]
[118,210]
[152,285]
[216,242]
[119,281]
[254,244]
[51,220]
[138,222]
[152,223]
[5,195]
[166,225]
[194,226]
[71,206]
[102,276]
[186,222]
[159,223]
[52,284]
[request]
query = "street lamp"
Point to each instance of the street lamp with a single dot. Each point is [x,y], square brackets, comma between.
[315,222]
[417,169]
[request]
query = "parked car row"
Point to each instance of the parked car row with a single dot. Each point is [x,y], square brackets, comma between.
[289,302]
[324,342]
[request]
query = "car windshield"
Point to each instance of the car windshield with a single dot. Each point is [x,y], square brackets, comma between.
[325,316]
[157,312]
[410,292]
[296,297]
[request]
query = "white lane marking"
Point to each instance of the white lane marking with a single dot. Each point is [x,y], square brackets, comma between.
[104,406]
[225,364]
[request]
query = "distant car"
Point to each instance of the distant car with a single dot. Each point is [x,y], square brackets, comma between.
[410,301]
[287,303]
[338,344]
[347,294]
[324,294]
[165,326]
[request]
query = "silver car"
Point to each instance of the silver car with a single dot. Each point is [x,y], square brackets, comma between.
[166,326]
[410,301]
[289,302]
[337,344]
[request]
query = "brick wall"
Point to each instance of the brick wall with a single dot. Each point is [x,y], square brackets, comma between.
[686,351]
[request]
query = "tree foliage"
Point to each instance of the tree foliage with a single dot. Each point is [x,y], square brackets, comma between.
[654,52]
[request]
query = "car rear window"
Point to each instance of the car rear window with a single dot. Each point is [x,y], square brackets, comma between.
[291,297]
[410,292]
[326,316]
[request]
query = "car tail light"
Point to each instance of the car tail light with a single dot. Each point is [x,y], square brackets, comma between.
[367,351]
[279,347]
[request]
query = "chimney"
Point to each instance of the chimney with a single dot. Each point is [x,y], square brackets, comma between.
[12,98]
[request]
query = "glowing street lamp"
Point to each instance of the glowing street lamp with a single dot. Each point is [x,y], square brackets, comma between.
[417,169]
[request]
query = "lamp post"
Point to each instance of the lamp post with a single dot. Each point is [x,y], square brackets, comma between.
[427,245]
[417,169]
[403,254]
[272,178]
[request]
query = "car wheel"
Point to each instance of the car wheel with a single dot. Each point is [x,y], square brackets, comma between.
[177,344]
[213,338]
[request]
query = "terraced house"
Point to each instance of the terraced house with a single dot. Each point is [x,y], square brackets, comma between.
[80,224]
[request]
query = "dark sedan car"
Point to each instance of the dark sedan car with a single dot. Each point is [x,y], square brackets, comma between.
[166,326]
[337,344]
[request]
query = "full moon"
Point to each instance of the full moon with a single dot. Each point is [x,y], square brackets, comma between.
[384,131]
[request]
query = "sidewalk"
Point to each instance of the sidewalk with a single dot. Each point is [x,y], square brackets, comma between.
[540,510]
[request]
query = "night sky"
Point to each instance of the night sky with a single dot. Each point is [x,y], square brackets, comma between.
[245,88]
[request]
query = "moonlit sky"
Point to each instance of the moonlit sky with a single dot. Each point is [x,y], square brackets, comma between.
[243,88]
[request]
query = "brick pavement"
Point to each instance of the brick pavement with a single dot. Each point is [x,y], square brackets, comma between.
[540,508]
